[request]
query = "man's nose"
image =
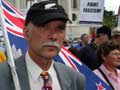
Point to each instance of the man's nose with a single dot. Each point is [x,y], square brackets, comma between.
[53,36]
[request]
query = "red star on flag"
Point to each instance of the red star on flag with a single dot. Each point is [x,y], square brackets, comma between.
[100,87]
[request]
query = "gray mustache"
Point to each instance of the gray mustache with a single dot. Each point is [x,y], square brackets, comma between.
[55,44]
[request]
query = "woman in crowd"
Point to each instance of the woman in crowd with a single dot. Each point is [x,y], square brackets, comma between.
[109,54]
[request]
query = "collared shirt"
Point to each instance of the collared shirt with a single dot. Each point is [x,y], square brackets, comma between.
[77,46]
[115,81]
[34,71]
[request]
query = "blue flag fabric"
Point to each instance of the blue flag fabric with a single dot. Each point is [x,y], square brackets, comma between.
[20,43]
[93,81]
[14,24]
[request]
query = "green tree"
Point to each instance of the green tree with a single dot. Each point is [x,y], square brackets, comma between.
[109,19]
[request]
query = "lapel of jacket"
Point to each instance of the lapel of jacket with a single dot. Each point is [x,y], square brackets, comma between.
[63,77]
[22,73]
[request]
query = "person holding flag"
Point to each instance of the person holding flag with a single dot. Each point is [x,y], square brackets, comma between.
[44,30]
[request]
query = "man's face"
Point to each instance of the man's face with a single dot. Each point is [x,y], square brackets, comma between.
[103,38]
[116,38]
[45,41]
[86,39]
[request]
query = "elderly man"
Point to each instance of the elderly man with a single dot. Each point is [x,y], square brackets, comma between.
[44,30]
[116,35]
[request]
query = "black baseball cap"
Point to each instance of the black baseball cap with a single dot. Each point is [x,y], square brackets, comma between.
[45,11]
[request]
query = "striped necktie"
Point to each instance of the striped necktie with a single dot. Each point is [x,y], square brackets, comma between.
[47,82]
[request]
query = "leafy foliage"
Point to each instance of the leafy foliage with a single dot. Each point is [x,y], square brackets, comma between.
[109,19]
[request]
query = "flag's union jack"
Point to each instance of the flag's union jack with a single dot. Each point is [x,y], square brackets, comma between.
[14,24]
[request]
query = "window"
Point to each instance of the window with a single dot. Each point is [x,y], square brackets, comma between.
[74,2]
[74,17]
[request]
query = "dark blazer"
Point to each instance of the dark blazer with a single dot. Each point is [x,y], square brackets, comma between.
[69,79]
[88,56]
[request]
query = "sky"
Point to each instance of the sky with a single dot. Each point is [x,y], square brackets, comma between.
[112,5]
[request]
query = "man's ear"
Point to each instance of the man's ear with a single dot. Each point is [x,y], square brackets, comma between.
[26,32]
[103,57]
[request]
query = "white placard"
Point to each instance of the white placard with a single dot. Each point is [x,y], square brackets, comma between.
[118,17]
[91,11]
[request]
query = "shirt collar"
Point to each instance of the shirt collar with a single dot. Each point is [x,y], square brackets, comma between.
[108,72]
[118,71]
[34,70]
[104,69]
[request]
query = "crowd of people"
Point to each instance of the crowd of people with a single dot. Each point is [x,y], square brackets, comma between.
[44,30]
[102,55]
